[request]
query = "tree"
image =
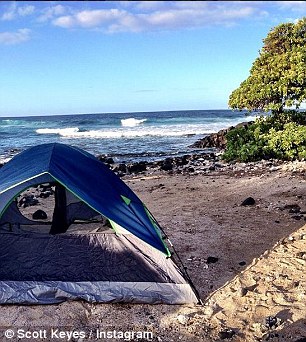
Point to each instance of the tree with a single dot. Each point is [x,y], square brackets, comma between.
[278,76]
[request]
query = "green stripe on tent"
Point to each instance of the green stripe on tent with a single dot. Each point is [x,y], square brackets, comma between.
[126,200]
[155,225]
[114,226]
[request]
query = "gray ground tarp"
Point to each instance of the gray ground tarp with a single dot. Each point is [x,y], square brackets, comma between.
[99,267]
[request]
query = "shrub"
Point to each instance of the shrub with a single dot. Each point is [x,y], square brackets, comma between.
[281,136]
[289,143]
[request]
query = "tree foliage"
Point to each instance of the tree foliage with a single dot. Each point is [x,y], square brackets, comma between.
[278,76]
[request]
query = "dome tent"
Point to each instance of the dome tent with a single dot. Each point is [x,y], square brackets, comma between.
[127,263]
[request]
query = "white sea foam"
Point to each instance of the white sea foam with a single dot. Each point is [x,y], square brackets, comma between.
[132,122]
[163,131]
[115,133]
[137,130]
[60,131]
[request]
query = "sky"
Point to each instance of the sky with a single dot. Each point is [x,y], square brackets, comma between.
[73,57]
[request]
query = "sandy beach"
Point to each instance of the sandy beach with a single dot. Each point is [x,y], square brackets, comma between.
[247,262]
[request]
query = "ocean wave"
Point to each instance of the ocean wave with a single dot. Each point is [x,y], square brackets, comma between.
[132,122]
[60,131]
[74,132]
[11,122]
[17,123]
[181,130]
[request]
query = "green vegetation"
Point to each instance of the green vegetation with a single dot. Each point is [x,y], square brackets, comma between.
[281,136]
[277,81]
[278,76]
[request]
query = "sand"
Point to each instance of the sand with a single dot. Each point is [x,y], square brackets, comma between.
[260,254]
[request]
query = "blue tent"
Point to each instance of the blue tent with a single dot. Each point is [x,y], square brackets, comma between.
[128,263]
[88,179]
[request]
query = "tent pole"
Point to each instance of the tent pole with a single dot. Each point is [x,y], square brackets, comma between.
[187,277]
[59,220]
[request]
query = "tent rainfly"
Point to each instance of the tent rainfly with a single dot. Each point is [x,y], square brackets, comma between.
[101,245]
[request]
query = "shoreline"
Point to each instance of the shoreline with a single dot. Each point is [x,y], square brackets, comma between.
[204,163]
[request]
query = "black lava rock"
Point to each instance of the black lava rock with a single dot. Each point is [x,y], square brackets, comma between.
[27,201]
[39,215]
[105,159]
[271,322]
[248,201]
[211,260]
[297,217]
[167,164]
[137,167]
[293,208]
[45,194]
[226,334]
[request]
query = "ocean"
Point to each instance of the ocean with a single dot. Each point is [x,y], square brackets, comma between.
[125,137]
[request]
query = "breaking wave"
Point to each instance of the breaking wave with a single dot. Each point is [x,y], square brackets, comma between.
[132,122]
[74,132]
[137,131]
[60,131]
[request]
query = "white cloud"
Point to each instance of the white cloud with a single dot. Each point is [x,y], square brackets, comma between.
[66,21]
[142,16]
[172,19]
[10,13]
[127,23]
[14,11]
[90,18]
[51,12]
[26,10]
[95,18]
[11,38]
[150,5]
[183,18]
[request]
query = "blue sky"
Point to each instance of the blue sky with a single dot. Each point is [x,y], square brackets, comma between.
[129,56]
